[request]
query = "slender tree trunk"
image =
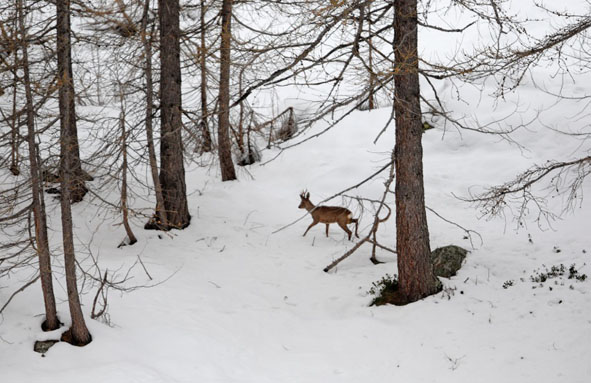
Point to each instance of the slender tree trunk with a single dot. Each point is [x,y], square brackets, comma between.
[372,76]
[14,125]
[72,187]
[416,278]
[160,217]
[172,169]
[124,209]
[207,143]
[224,143]
[240,137]
[41,239]
[77,334]
[66,100]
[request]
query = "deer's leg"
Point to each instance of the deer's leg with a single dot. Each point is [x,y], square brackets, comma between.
[344,227]
[327,229]
[356,222]
[309,227]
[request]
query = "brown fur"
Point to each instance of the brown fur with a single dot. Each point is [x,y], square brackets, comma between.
[328,215]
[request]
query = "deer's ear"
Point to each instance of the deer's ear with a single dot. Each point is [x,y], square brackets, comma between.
[307,195]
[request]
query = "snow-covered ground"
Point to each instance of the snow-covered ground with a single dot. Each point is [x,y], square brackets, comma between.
[238,303]
[236,299]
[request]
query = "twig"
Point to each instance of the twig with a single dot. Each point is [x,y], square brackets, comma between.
[93,313]
[467,231]
[144,267]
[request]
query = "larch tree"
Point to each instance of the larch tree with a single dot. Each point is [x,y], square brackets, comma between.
[40,219]
[146,38]
[224,142]
[172,168]
[415,270]
[207,143]
[416,278]
[72,187]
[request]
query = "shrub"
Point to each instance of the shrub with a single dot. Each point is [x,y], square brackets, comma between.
[382,288]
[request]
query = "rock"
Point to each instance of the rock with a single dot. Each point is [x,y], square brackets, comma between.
[447,260]
[41,346]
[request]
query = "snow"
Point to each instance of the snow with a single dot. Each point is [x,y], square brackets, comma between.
[237,303]
[239,297]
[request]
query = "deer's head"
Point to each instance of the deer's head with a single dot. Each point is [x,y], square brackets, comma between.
[305,200]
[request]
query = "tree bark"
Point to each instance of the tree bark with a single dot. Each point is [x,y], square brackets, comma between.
[372,77]
[224,143]
[415,271]
[172,169]
[72,187]
[124,209]
[14,123]
[78,334]
[207,143]
[160,218]
[41,238]
[66,100]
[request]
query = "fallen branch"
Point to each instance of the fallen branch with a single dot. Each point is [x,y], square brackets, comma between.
[347,254]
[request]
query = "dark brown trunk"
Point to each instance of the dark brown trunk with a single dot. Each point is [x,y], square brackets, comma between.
[66,100]
[41,239]
[172,169]
[72,187]
[224,143]
[78,333]
[207,144]
[160,218]
[240,139]
[415,271]
[14,121]
[14,124]
[124,209]
[372,77]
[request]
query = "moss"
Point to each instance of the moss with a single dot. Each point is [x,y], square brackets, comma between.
[386,292]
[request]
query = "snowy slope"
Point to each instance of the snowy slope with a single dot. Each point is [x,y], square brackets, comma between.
[238,303]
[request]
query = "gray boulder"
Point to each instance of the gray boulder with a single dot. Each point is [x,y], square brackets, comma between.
[42,346]
[447,260]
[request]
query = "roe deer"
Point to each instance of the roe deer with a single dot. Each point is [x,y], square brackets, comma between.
[328,215]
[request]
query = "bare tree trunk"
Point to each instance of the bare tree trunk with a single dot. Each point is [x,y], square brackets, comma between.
[77,334]
[41,239]
[172,169]
[224,143]
[72,187]
[66,100]
[240,138]
[14,124]
[124,209]
[416,277]
[372,76]
[160,217]
[207,143]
